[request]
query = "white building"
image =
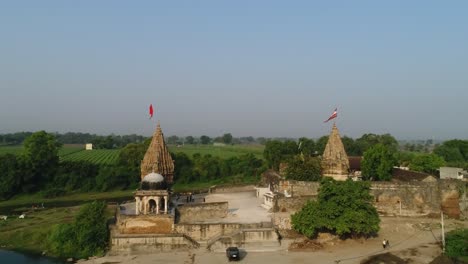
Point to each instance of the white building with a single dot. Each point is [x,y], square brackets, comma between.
[453,173]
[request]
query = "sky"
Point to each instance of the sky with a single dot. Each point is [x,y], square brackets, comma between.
[250,68]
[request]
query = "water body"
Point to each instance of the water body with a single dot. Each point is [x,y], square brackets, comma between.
[7,257]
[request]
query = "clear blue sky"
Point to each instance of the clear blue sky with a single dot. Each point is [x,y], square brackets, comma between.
[260,68]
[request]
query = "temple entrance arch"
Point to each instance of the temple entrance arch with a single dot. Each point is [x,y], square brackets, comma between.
[162,204]
[152,205]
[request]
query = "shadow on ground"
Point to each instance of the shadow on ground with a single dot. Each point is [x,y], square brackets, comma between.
[386,258]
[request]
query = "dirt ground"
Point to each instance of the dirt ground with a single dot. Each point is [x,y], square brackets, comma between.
[412,240]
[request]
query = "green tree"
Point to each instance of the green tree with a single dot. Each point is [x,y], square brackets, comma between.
[428,163]
[227,138]
[276,152]
[41,154]
[205,140]
[457,243]
[367,141]
[303,168]
[453,150]
[378,162]
[343,208]
[87,236]
[321,143]
[190,140]
[307,146]
[351,147]
[10,175]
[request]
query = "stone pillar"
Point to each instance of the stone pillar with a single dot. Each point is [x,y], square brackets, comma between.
[137,212]
[165,204]
[145,205]
[157,205]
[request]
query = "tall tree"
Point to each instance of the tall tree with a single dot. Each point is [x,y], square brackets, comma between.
[189,140]
[276,152]
[41,153]
[10,175]
[205,140]
[378,163]
[428,163]
[227,138]
[303,168]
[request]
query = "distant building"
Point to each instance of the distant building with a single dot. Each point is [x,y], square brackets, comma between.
[219,144]
[453,173]
[89,146]
[402,175]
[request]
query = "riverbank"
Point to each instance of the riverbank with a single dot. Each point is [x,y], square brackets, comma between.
[8,257]
[26,202]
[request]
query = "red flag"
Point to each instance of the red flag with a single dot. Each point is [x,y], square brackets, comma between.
[334,115]
[151,110]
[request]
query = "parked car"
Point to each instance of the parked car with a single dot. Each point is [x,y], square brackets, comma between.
[233,253]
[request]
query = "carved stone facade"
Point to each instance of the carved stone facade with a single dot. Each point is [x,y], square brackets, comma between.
[335,161]
[157,158]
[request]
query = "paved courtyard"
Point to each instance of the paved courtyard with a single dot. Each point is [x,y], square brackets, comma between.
[244,207]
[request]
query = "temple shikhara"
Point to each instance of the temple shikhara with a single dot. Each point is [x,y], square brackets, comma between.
[157,172]
[335,162]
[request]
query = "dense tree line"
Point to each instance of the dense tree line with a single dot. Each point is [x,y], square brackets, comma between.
[38,169]
[98,141]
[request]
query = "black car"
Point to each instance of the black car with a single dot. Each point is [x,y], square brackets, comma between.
[232,253]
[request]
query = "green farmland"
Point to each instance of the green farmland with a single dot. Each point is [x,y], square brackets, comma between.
[97,156]
[220,151]
[74,153]
[110,156]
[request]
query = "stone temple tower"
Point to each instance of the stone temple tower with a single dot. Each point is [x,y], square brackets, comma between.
[335,161]
[157,158]
[157,171]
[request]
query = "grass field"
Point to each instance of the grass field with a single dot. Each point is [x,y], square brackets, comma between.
[110,156]
[220,151]
[30,234]
[97,156]
[26,201]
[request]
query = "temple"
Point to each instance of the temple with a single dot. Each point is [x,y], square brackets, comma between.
[335,162]
[157,171]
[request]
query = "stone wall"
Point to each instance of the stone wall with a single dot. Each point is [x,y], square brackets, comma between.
[291,204]
[262,237]
[416,198]
[150,243]
[221,189]
[199,212]
[205,232]
[145,224]
[298,188]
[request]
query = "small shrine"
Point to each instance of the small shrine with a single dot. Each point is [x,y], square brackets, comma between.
[157,171]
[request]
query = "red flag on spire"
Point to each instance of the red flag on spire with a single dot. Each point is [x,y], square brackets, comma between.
[151,110]
[334,115]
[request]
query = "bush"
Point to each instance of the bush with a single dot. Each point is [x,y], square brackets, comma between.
[457,243]
[87,236]
[343,208]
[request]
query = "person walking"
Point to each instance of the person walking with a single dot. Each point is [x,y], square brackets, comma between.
[387,244]
[384,243]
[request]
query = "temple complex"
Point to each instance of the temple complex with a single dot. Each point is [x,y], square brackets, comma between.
[157,171]
[335,162]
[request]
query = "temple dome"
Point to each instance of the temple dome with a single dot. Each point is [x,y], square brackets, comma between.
[153,178]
